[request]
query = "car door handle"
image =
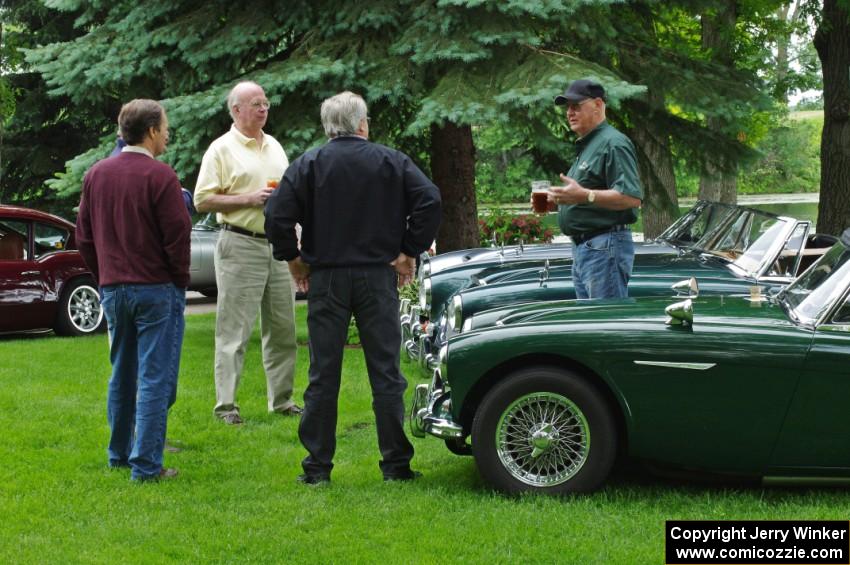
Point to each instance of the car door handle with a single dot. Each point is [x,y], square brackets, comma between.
[30,273]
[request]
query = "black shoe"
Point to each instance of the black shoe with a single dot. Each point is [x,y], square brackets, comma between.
[410,475]
[231,419]
[313,480]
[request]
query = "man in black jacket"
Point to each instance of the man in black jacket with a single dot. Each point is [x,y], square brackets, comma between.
[366,213]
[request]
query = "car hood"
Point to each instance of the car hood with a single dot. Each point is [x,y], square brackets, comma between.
[668,265]
[734,309]
[537,254]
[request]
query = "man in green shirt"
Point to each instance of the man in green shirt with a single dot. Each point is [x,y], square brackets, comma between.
[600,196]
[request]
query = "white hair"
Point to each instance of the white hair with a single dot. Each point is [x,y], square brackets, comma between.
[342,114]
[233,95]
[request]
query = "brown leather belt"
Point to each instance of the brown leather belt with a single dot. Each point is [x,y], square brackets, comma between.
[242,231]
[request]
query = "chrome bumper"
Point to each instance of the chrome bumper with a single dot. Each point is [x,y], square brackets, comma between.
[430,412]
[420,353]
[411,328]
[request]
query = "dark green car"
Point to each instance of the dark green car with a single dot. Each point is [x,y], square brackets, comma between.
[545,395]
[744,247]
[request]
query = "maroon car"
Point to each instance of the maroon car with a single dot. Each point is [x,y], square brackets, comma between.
[44,282]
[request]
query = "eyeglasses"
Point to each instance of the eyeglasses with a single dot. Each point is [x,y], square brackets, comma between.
[265,104]
[576,106]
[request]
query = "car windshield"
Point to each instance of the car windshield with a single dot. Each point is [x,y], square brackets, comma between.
[764,234]
[696,223]
[812,294]
[744,236]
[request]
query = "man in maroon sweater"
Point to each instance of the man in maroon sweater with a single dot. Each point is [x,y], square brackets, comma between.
[133,231]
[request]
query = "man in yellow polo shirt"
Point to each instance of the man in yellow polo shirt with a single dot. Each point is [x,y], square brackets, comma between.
[238,174]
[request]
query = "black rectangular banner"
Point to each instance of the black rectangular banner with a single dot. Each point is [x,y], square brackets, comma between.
[758,542]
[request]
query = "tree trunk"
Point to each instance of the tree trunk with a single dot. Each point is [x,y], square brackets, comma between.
[718,184]
[660,206]
[453,169]
[832,41]
[790,14]
[719,181]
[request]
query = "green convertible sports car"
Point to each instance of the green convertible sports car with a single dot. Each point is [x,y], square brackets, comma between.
[745,247]
[757,384]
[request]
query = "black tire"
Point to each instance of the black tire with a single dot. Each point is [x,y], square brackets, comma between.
[80,312]
[458,446]
[210,292]
[554,405]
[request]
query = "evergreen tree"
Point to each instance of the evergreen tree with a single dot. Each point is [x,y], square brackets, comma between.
[429,69]
[38,132]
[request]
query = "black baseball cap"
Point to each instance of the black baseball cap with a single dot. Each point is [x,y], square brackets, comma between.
[579,90]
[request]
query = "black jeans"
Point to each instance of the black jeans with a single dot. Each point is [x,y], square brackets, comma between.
[370,294]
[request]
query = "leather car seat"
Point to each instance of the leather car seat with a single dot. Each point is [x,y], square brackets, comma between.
[11,247]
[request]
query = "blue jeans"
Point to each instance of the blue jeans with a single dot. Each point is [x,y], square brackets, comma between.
[146,334]
[603,264]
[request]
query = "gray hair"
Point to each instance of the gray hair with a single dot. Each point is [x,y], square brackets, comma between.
[342,114]
[233,95]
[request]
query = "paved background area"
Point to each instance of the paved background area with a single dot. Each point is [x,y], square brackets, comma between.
[197,303]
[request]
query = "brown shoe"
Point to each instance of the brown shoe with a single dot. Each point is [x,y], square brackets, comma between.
[293,410]
[167,473]
[232,419]
[164,474]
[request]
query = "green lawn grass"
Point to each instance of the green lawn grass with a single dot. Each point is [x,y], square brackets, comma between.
[236,500]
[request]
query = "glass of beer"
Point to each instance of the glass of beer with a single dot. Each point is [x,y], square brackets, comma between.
[540,196]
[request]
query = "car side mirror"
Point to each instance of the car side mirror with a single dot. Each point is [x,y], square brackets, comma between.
[680,313]
[688,287]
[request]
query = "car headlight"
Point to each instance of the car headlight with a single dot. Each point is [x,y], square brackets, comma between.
[425,297]
[455,313]
[443,357]
[424,267]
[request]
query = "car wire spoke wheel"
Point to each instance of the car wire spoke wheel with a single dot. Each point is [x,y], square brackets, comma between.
[543,439]
[84,308]
[532,433]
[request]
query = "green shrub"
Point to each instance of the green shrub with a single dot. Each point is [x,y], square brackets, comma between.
[410,291]
[509,229]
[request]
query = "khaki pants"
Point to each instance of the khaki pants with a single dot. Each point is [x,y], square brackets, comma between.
[249,280]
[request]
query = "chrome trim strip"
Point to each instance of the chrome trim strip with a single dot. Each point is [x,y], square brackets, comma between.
[674,365]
